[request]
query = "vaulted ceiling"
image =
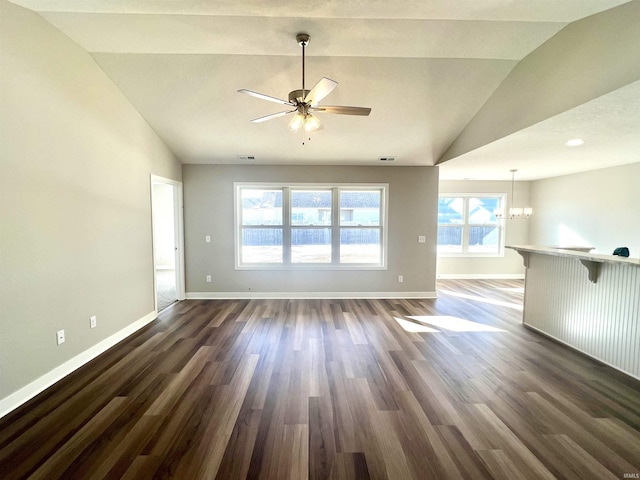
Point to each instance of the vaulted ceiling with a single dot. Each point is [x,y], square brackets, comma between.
[478,87]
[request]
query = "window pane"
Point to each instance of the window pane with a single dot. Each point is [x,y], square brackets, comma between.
[261,207]
[484,239]
[307,217]
[450,210]
[311,207]
[360,245]
[310,245]
[261,245]
[360,207]
[450,239]
[482,210]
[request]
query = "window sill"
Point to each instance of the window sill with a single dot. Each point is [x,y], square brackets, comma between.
[309,267]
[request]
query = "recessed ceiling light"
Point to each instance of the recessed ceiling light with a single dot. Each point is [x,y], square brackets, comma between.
[575,142]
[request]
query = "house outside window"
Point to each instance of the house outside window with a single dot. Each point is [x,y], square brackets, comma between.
[310,226]
[467,225]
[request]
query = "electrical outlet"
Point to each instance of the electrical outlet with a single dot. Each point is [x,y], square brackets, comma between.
[400,279]
[422,239]
[207,238]
[93,321]
[60,337]
[208,278]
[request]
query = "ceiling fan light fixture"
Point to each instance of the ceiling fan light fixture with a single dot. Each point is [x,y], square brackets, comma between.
[311,123]
[307,121]
[303,100]
[296,122]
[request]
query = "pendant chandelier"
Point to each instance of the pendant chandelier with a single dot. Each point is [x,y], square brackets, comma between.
[514,212]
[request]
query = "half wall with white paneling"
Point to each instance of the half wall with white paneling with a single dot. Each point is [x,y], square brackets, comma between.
[599,319]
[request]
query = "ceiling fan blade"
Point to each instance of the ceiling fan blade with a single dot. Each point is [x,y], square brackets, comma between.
[343,110]
[264,97]
[320,90]
[273,115]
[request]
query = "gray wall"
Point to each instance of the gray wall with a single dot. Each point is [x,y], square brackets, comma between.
[209,210]
[75,213]
[598,209]
[516,233]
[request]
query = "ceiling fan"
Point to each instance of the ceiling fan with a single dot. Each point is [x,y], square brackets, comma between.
[305,102]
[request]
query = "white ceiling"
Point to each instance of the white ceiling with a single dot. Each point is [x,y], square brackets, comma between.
[609,126]
[425,67]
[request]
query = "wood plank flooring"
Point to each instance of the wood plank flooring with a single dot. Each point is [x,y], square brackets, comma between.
[334,389]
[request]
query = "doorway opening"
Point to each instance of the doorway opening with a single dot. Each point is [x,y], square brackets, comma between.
[166,207]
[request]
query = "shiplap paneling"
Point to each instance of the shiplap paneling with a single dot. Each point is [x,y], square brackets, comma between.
[601,319]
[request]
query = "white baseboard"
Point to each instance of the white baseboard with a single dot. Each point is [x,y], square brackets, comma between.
[304,295]
[26,393]
[480,276]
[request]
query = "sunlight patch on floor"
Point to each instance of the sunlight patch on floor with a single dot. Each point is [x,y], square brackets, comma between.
[454,324]
[412,327]
[515,306]
[511,289]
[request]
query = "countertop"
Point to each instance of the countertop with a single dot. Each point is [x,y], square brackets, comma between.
[578,255]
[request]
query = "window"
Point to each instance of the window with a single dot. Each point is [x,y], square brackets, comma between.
[310,226]
[467,225]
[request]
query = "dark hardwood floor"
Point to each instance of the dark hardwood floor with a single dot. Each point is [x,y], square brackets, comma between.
[400,389]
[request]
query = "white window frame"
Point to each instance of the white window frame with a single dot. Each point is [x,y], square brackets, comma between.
[466,225]
[287,227]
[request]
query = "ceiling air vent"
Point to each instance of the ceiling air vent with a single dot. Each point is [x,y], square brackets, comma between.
[245,158]
[386,159]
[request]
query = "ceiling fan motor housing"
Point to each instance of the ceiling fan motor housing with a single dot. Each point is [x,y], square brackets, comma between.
[297,96]
[305,101]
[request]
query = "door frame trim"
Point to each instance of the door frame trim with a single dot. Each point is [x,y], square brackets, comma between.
[178,208]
